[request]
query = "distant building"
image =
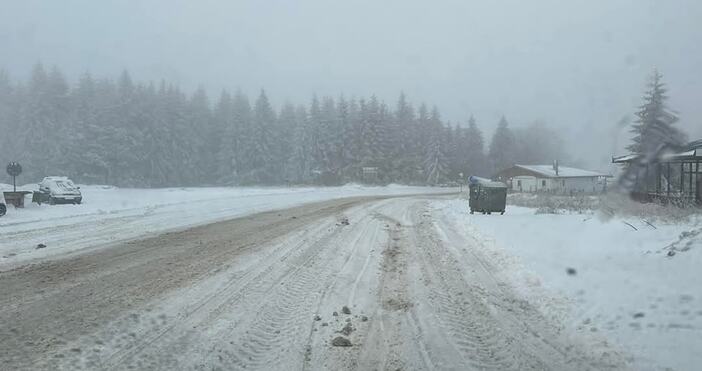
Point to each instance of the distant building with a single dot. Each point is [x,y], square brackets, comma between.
[670,175]
[552,179]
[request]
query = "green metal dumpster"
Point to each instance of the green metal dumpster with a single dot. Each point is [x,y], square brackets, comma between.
[487,196]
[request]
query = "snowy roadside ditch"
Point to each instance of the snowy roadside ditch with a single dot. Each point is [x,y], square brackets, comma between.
[611,278]
[109,214]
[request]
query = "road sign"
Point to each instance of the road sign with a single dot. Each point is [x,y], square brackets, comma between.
[14,169]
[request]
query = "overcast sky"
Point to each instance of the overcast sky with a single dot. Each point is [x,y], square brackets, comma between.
[572,64]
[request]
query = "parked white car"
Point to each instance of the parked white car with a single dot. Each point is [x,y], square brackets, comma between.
[58,190]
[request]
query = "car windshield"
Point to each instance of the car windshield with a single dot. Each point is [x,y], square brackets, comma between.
[64,185]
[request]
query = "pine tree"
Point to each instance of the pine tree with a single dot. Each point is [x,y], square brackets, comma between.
[329,139]
[263,168]
[435,162]
[435,168]
[346,153]
[422,140]
[302,157]
[284,138]
[203,135]
[47,122]
[314,120]
[87,154]
[127,147]
[226,153]
[653,126]
[353,139]
[502,147]
[454,155]
[239,140]
[159,117]
[372,133]
[475,161]
[385,142]
[404,148]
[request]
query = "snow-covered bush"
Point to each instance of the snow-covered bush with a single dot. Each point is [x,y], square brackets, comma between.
[554,204]
[620,204]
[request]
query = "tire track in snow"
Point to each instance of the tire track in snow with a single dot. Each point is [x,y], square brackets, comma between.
[462,308]
[516,314]
[489,325]
[238,289]
[394,339]
[287,318]
[82,296]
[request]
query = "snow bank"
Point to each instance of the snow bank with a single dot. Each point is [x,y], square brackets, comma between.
[110,214]
[625,285]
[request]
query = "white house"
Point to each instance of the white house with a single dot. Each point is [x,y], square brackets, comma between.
[553,179]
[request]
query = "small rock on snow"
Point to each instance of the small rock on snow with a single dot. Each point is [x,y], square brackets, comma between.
[317,318]
[341,341]
[347,330]
[571,271]
[638,315]
[41,246]
[345,310]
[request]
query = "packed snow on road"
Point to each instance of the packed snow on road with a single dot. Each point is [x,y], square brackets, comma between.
[350,283]
[109,214]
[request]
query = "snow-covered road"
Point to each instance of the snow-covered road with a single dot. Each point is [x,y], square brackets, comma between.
[110,214]
[396,279]
[166,279]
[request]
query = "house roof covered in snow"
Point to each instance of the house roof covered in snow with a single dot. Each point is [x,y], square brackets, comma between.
[692,151]
[563,171]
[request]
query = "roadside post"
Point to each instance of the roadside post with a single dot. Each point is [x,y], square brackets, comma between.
[15,198]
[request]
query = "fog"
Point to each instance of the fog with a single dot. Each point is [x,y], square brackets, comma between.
[579,65]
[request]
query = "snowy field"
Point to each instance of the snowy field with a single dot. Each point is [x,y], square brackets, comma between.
[624,285]
[109,214]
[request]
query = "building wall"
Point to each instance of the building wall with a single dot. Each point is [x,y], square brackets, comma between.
[581,185]
[524,183]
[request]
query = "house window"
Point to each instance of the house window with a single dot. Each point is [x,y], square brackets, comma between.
[519,183]
[543,183]
[563,182]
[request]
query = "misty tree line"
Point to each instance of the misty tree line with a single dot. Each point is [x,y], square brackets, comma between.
[104,131]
